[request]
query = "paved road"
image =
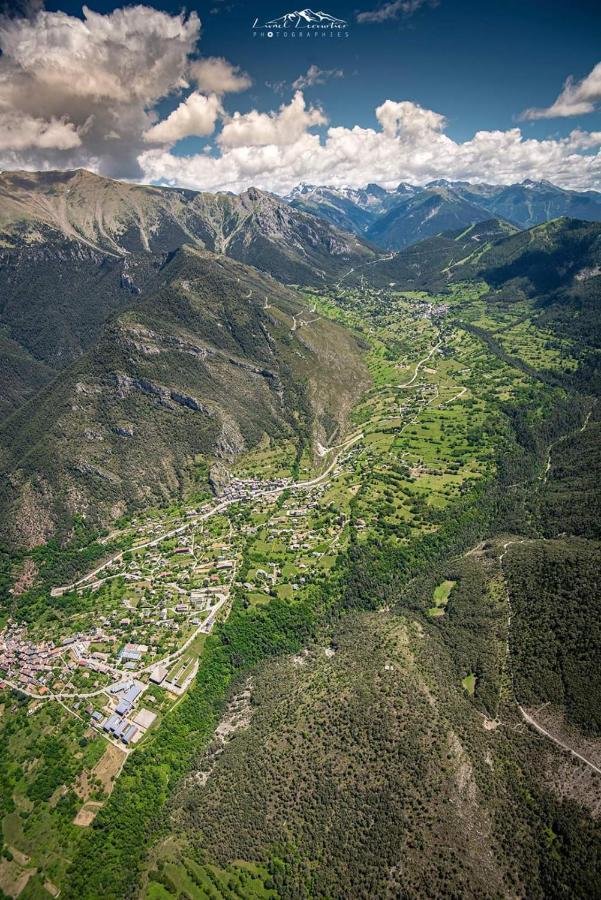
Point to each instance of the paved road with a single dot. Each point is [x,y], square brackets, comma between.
[420,364]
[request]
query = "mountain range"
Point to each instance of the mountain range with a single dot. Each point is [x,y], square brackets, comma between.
[142,326]
[76,248]
[398,218]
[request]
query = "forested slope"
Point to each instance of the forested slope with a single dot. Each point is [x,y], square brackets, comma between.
[207,364]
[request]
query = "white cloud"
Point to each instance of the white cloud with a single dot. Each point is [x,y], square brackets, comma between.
[95,78]
[215,75]
[584,140]
[18,132]
[410,145]
[396,9]
[405,118]
[133,53]
[197,115]
[314,75]
[287,126]
[84,92]
[577,98]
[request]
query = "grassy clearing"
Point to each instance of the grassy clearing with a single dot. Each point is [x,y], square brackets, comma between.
[441,598]
[469,683]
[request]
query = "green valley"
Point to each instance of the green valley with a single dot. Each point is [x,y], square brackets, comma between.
[297,597]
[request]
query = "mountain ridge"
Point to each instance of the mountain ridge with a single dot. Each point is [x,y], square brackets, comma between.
[75,248]
[119,218]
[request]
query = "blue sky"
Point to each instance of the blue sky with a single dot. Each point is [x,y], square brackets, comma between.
[478,65]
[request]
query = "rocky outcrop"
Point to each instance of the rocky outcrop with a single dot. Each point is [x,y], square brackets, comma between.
[166,396]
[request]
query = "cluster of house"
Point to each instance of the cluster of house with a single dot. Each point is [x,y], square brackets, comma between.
[44,666]
[291,527]
[430,310]
[34,664]
[29,663]
[242,488]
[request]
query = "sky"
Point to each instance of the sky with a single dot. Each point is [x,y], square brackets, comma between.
[211,96]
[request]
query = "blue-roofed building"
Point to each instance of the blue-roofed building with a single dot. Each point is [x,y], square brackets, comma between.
[129,734]
[129,697]
[132,693]
[120,728]
[111,722]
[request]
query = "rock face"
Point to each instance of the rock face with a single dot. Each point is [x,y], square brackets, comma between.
[219,478]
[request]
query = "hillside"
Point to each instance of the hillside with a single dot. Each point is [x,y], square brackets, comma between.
[431,263]
[56,292]
[422,215]
[366,746]
[559,256]
[215,359]
[532,202]
[76,249]
[538,260]
[21,375]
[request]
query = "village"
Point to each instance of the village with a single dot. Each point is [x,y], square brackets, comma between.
[151,607]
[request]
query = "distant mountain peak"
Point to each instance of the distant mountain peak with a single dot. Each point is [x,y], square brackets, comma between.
[542,182]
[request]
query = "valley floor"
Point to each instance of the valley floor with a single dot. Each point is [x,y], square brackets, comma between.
[403,722]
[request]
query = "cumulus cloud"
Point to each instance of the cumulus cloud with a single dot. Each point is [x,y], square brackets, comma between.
[584,140]
[396,9]
[408,119]
[314,75]
[577,98]
[410,144]
[215,75]
[197,115]
[18,132]
[89,84]
[277,129]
